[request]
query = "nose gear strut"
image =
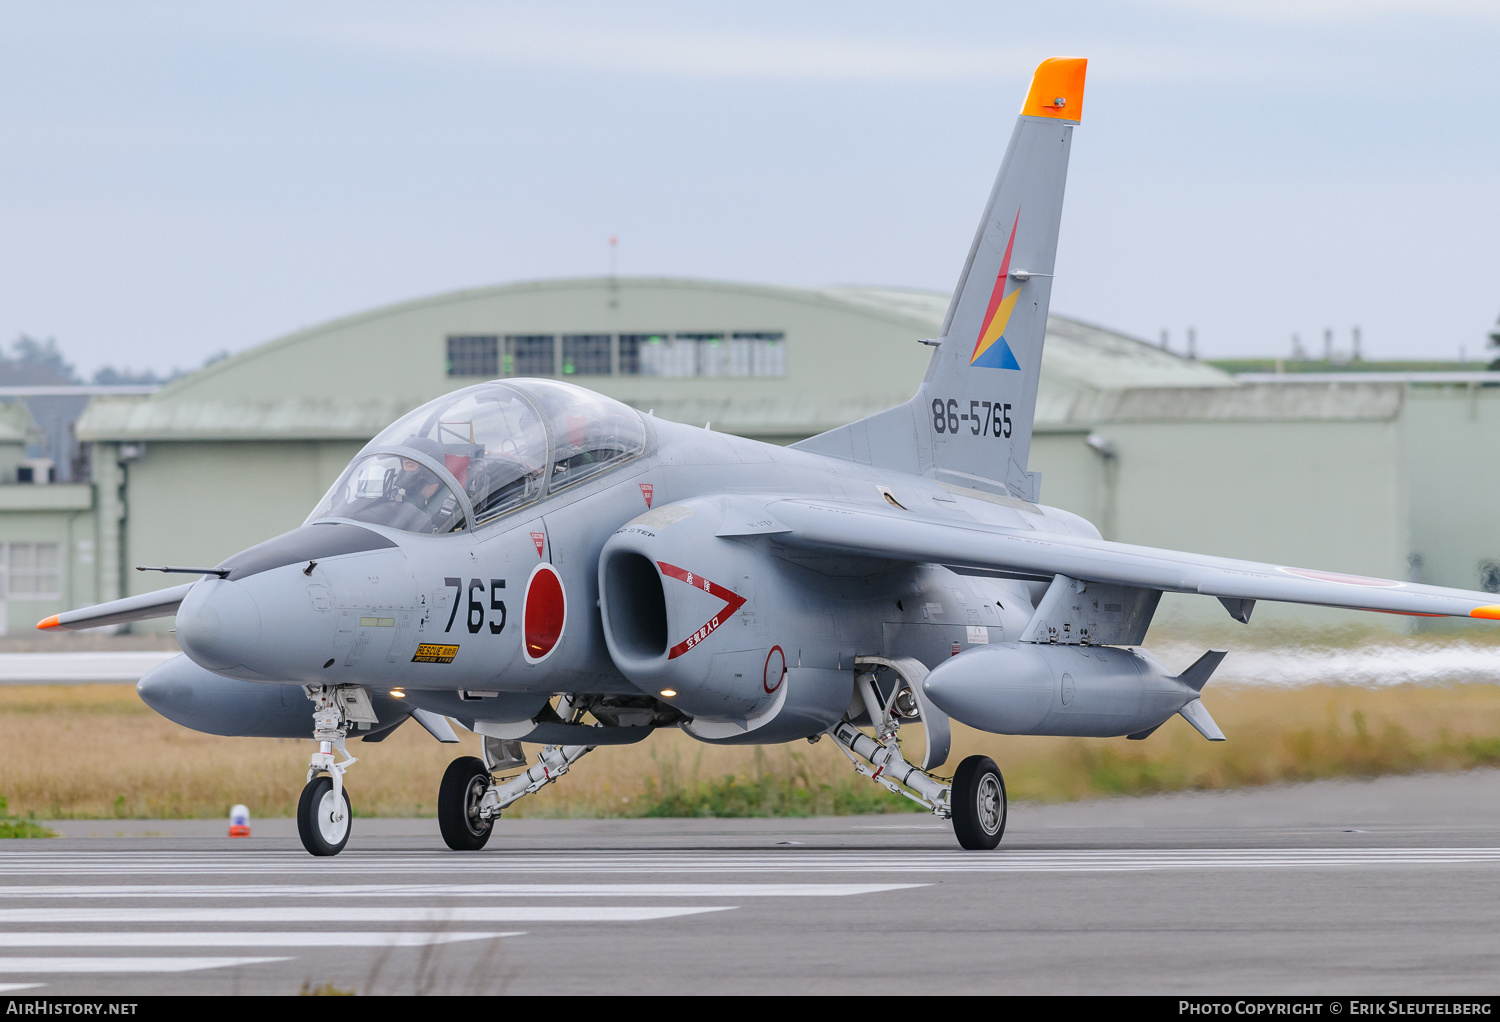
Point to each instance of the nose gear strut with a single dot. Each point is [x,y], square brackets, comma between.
[323,811]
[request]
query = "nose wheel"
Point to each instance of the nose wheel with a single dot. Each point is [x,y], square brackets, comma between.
[978,803]
[323,817]
[464,784]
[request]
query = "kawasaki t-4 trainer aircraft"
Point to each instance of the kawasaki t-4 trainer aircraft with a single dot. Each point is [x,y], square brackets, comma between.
[548,566]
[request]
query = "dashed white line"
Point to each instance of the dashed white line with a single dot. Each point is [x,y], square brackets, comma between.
[361,914]
[769,890]
[811,861]
[246,938]
[136,965]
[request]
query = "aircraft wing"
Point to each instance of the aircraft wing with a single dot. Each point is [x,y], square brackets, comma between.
[848,528]
[161,603]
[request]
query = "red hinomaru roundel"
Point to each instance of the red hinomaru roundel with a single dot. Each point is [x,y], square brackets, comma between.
[544,612]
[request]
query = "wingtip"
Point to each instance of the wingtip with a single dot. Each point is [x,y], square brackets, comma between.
[1057,89]
[1491,612]
[49,622]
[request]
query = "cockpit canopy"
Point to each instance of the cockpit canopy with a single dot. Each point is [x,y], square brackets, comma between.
[502,445]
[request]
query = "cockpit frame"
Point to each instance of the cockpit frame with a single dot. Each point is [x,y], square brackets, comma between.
[434,466]
[561,458]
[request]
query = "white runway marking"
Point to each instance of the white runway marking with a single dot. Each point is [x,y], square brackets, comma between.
[449,890]
[124,964]
[800,860]
[247,938]
[235,915]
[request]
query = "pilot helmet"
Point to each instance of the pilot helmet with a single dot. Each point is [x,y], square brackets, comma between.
[423,445]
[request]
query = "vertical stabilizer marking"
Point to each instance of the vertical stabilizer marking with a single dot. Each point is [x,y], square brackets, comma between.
[997,316]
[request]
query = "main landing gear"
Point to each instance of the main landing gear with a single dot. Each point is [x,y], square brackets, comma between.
[470,800]
[974,801]
[323,811]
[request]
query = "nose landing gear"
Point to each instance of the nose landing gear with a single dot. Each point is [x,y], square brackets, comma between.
[323,817]
[323,811]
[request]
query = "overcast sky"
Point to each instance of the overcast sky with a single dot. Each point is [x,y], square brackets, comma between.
[178,179]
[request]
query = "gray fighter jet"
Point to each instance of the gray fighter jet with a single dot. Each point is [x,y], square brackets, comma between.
[548,566]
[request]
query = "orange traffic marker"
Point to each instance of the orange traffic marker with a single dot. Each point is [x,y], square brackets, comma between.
[239,821]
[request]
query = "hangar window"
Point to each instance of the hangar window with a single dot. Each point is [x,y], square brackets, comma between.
[530,355]
[674,356]
[586,354]
[680,355]
[760,354]
[635,351]
[473,355]
[32,569]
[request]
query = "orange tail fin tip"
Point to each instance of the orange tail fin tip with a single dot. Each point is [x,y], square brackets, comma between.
[1057,89]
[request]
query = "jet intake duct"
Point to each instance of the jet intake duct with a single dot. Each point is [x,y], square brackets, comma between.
[633,589]
[713,626]
[1021,688]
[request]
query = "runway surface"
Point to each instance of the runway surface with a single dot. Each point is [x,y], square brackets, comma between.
[1385,887]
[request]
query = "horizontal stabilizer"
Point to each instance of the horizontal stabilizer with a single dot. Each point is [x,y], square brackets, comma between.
[1196,714]
[1196,676]
[161,603]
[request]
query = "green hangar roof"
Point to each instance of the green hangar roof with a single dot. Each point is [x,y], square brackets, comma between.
[775,362]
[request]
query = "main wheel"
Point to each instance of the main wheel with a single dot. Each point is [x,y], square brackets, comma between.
[978,803]
[322,823]
[464,784]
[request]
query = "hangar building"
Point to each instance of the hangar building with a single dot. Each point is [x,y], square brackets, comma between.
[1368,473]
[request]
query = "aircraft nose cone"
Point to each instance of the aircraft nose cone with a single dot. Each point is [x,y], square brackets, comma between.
[218,624]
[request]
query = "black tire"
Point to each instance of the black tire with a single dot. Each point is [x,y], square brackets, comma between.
[978,803]
[464,784]
[320,833]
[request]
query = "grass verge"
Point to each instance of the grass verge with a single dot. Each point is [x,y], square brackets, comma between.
[16,826]
[127,762]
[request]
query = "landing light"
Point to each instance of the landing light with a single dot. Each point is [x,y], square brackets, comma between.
[668,693]
[396,693]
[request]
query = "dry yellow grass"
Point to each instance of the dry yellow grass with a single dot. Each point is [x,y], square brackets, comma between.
[97,751]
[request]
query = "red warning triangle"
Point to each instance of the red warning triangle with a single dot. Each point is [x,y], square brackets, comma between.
[647,489]
[539,540]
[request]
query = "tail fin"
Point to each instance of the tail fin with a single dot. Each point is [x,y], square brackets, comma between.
[1196,676]
[970,423]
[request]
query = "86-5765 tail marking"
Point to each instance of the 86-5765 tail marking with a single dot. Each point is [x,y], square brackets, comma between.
[733,601]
